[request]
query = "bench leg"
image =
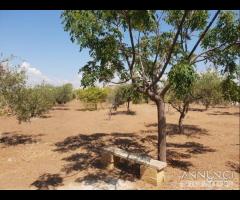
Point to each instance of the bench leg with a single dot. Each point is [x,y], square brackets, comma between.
[152,176]
[108,160]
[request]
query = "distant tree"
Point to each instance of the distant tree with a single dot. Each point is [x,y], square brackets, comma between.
[11,83]
[132,45]
[230,90]
[32,102]
[209,88]
[182,93]
[92,96]
[125,94]
[64,93]
[22,101]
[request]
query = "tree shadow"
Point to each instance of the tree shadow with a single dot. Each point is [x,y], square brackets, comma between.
[233,166]
[172,129]
[45,116]
[13,139]
[81,161]
[197,109]
[90,156]
[189,130]
[91,147]
[60,108]
[124,113]
[89,142]
[86,109]
[224,113]
[192,147]
[175,160]
[131,146]
[48,181]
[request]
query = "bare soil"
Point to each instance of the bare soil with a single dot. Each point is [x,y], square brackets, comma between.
[62,149]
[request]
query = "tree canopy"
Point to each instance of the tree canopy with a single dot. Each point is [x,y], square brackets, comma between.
[133,45]
[144,46]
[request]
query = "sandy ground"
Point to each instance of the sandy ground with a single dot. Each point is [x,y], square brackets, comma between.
[62,149]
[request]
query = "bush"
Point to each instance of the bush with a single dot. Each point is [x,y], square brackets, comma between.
[26,102]
[64,93]
[230,90]
[92,96]
[209,88]
[11,82]
[32,102]
[124,94]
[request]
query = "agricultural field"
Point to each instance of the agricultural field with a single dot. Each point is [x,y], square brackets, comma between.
[60,149]
[120,100]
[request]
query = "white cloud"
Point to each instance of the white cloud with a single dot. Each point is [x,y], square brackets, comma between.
[30,70]
[35,76]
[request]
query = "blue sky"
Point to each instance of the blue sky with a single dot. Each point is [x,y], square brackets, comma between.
[37,38]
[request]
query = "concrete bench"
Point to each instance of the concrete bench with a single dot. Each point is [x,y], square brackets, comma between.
[151,171]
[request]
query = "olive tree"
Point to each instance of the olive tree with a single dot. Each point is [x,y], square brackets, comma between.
[64,93]
[136,46]
[23,102]
[231,88]
[209,88]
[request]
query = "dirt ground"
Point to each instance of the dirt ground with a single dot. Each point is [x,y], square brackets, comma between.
[62,149]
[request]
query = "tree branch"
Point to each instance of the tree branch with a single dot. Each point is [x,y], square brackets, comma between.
[165,89]
[205,52]
[132,43]
[119,82]
[171,49]
[203,34]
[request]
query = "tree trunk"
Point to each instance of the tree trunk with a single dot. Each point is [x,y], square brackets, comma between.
[206,106]
[128,106]
[161,131]
[180,123]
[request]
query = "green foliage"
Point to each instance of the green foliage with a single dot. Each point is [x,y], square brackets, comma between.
[209,88]
[92,96]
[25,102]
[226,31]
[230,90]
[32,102]
[182,78]
[103,33]
[11,82]
[64,93]
[124,94]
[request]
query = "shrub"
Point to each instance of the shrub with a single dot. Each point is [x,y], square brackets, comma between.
[230,90]
[124,94]
[209,88]
[92,96]
[64,93]
[32,102]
